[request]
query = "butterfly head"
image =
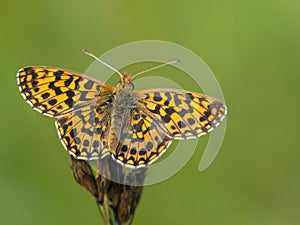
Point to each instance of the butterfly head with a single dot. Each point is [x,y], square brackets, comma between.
[125,82]
[126,78]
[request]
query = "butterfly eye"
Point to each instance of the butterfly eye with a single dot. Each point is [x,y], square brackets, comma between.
[132,85]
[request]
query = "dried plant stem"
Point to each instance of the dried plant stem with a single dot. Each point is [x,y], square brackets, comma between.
[116,202]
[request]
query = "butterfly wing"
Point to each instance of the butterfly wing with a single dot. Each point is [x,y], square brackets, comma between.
[84,132]
[161,115]
[143,142]
[184,114]
[79,103]
[54,92]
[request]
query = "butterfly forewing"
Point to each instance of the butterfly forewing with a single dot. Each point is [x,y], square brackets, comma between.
[184,114]
[55,91]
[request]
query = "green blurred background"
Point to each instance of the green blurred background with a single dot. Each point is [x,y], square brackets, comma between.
[253,47]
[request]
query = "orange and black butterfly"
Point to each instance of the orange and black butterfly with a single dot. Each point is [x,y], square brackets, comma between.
[134,126]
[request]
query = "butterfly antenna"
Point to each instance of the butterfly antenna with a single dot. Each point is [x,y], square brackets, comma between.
[156,67]
[104,63]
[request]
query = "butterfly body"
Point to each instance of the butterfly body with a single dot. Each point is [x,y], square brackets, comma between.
[134,126]
[124,101]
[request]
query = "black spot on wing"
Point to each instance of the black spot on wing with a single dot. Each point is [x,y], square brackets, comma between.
[96,144]
[133,151]
[52,102]
[88,85]
[69,81]
[181,124]
[157,97]
[45,95]
[86,143]
[191,121]
[56,89]
[69,102]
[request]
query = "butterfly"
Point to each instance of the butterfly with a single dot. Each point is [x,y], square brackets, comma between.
[94,119]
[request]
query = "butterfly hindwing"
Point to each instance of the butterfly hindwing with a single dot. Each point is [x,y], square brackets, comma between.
[84,132]
[143,142]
